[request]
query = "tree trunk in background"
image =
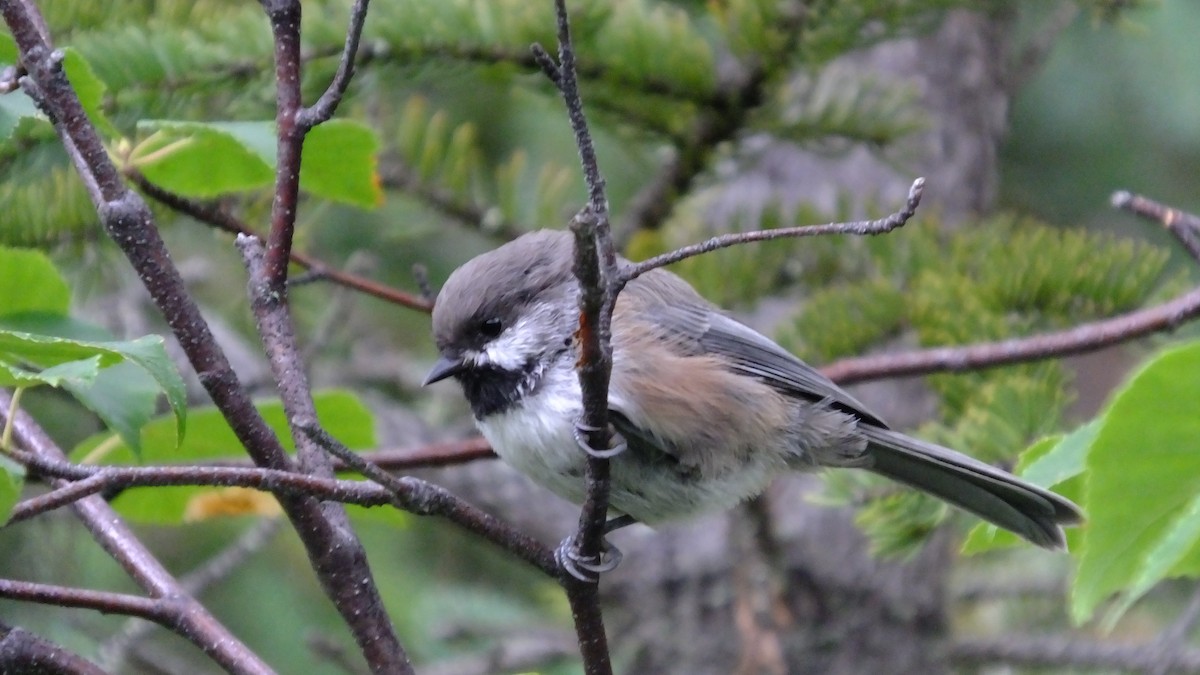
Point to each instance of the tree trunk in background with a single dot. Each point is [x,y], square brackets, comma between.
[782,585]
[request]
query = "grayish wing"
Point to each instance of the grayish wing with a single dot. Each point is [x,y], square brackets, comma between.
[673,305]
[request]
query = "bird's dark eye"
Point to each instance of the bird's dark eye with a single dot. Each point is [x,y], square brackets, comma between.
[491,328]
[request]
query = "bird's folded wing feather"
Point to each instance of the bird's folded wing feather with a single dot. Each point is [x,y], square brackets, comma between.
[700,327]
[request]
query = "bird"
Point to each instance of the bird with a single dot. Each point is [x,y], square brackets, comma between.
[708,411]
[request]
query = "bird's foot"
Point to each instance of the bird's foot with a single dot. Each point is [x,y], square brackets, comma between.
[616,442]
[586,568]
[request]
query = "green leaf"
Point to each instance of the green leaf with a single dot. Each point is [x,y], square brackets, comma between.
[74,364]
[1062,462]
[29,282]
[1052,462]
[56,325]
[80,373]
[1162,558]
[1143,478]
[124,397]
[205,160]
[8,49]
[150,353]
[90,89]
[15,107]
[339,164]
[46,351]
[209,437]
[12,476]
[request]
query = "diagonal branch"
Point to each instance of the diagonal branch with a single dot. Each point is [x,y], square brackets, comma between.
[325,106]
[1184,226]
[1040,651]
[192,620]
[861,228]
[24,652]
[212,214]
[158,610]
[130,224]
[115,650]
[424,499]
[1080,339]
[356,596]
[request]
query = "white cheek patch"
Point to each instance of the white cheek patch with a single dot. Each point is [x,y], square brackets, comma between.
[512,349]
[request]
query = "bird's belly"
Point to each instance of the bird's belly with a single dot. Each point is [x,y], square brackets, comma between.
[537,438]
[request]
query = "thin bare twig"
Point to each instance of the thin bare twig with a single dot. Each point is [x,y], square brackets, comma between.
[214,215]
[327,104]
[411,494]
[1078,340]
[447,453]
[289,139]
[83,481]
[596,269]
[862,228]
[191,620]
[158,610]
[425,499]
[1183,225]
[130,224]
[1039,651]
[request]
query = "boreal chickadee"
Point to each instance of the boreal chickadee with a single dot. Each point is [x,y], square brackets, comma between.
[710,410]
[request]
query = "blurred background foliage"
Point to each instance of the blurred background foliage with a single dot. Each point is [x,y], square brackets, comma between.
[475,148]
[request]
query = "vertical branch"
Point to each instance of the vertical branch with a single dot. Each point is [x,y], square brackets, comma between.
[599,281]
[341,562]
[285,28]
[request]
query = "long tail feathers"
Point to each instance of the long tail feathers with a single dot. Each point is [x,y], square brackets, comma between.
[990,493]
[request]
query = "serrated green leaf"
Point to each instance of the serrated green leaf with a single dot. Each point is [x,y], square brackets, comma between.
[1143,475]
[29,282]
[56,354]
[1163,557]
[12,477]
[90,89]
[1052,462]
[15,107]
[339,164]
[203,160]
[209,437]
[150,353]
[1064,460]
[82,372]
[124,397]
[206,159]
[45,351]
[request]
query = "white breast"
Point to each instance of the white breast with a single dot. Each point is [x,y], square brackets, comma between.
[537,436]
